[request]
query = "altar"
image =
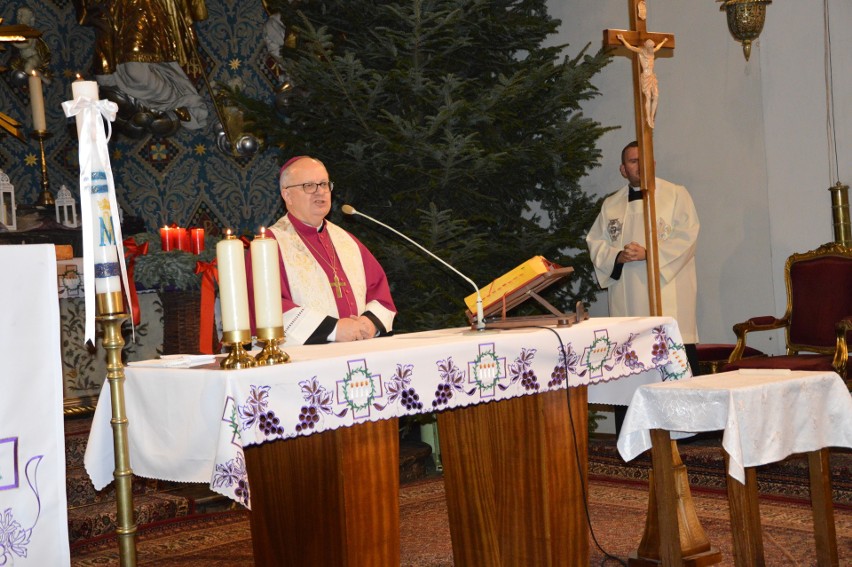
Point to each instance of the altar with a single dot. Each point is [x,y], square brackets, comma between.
[200,424]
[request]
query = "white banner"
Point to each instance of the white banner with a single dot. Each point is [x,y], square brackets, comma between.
[33,505]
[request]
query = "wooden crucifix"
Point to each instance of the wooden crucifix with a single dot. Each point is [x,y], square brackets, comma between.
[673,535]
[644,45]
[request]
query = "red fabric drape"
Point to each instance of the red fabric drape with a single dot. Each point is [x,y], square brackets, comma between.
[132,250]
[209,276]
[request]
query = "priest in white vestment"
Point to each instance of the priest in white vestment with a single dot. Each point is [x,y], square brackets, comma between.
[617,247]
[332,287]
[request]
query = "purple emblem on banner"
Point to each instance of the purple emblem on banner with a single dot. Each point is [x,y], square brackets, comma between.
[9,463]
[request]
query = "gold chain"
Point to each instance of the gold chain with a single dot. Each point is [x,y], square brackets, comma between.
[337,284]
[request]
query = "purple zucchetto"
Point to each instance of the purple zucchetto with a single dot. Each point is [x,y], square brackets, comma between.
[288,163]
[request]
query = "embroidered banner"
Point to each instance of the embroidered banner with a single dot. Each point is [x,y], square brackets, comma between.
[33,513]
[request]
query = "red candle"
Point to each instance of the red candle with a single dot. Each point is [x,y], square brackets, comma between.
[181,239]
[166,238]
[196,240]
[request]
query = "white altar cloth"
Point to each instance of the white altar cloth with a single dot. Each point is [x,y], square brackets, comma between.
[191,424]
[766,414]
[33,504]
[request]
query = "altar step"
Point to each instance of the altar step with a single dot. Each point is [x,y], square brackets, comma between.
[92,513]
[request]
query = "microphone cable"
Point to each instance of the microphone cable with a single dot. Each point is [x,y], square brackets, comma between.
[607,556]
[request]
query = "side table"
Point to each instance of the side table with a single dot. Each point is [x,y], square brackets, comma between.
[766,416]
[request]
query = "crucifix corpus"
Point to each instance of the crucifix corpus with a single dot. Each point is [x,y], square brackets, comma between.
[644,46]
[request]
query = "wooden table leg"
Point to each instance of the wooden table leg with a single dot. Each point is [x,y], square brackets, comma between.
[823,509]
[664,484]
[668,492]
[745,519]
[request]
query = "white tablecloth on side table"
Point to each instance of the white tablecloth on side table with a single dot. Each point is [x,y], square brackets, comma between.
[766,414]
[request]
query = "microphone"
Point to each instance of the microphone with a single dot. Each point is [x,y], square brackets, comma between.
[480,319]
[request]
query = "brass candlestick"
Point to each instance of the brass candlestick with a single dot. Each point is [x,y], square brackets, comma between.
[46,198]
[271,354]
[111,314]
[238,357]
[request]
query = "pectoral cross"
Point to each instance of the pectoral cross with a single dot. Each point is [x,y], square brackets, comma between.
[636,36]
[337,284]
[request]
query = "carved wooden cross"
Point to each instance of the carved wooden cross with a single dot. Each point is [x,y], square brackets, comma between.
[636,36]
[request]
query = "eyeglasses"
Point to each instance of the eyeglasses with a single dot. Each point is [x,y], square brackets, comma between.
[311,187]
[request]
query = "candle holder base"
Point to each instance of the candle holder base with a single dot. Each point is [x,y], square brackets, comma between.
[271,354]
[45,199]
[237,358]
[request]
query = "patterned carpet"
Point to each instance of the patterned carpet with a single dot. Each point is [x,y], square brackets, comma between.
[617,511]
[704,462]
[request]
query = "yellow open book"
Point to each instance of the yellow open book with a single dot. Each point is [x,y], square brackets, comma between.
[509,282]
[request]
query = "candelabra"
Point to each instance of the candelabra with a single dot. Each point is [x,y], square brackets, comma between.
[238,357]
[46,198]
[271,354]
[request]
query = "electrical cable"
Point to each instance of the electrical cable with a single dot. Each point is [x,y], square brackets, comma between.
[833,166]
[607,556]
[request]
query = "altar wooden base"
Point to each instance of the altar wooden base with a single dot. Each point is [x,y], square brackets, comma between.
[329,499]
[515,489]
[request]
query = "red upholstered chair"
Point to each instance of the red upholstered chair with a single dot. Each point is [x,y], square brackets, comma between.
[818,320]
[712,357]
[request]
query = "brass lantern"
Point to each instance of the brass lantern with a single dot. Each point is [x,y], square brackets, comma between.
[745,20]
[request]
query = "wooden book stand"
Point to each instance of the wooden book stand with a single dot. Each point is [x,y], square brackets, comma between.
[496,317]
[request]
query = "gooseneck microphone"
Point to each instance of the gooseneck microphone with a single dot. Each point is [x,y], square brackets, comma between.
[480,319]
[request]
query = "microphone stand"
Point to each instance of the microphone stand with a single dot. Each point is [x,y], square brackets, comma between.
[480,319]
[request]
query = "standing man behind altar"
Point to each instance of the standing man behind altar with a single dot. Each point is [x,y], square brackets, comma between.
[617,247]
[332,287]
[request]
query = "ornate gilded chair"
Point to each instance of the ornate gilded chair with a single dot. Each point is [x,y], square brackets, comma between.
[818,320]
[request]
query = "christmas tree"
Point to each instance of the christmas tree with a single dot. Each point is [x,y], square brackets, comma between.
[452,121]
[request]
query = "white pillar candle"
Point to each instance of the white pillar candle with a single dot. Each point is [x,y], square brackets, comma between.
[266,277]
[81,88]
[37,103]
[233,292]
[107,269]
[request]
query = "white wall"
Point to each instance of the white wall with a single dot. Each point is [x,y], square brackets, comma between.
[746,138]
[797,155]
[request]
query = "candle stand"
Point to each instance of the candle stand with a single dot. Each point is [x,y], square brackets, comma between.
[46,198]
[271,354]
[238,357]
[111,314]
